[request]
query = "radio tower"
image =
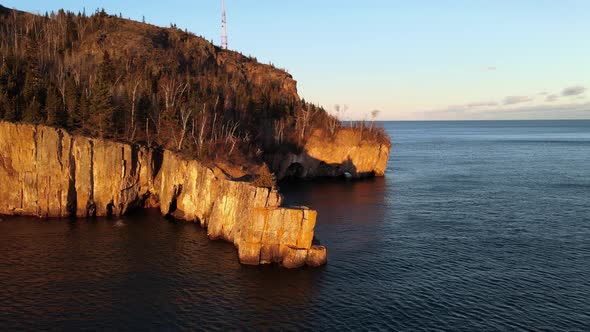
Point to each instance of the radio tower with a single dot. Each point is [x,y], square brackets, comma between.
[223,26]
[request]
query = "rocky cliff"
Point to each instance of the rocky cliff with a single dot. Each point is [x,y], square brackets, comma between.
[47,172]
[346,153]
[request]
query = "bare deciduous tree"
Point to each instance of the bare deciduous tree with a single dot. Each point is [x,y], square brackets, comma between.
[306,114]
[185,114]
[134,104]
[335,120]
[374,115]
[278,131]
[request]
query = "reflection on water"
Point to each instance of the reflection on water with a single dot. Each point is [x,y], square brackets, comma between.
[350,213]
[150,273]
[335,199]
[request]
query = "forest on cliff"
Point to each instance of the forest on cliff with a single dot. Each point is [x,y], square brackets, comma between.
[104,76]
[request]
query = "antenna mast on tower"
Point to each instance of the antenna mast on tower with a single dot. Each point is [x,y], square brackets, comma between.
[223,26]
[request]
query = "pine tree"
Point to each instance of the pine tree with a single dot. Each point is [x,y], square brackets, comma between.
[101,109]
[9,90]
[11,112]
[71,30]
[84,111]
[72,103]
[4,104]
[3,91]
[32,112]
[56,115]
[33,90]
[120,121]
[8,80]
[106,71]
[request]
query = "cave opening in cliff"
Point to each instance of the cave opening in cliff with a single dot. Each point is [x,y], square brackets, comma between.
[295,170]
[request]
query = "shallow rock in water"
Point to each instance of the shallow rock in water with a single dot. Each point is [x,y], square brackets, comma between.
[293,257]
[317,256]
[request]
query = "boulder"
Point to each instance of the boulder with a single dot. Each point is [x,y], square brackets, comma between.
[316,256]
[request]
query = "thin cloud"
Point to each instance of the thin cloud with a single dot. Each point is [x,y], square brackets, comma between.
[546,111]
[490,68]
[473,105]
[573,90]
[482,104]
[551,98]
[583,107]
[511,100]
[453,108]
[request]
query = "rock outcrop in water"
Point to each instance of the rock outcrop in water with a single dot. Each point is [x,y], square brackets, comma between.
[47,172]
[345,154]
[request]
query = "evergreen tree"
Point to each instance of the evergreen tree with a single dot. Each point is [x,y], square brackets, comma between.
[12,111]
[10,92]
[84,111]
[101,110]
[8,80]
[106,71]
[33,90]
[32,112]
[56,115]
[120,121]
[71,30]
[72,103]
[4,76]
[4,102]
[4,105]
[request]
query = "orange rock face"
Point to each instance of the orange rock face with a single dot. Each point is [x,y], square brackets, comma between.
[48,173]
[347,153]
[317,256]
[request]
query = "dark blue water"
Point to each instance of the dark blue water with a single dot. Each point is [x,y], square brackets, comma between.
[477,226]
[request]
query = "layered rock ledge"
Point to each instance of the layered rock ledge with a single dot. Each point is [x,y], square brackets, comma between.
[47,172]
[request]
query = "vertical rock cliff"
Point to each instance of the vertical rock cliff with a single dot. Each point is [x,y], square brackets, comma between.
[47,172]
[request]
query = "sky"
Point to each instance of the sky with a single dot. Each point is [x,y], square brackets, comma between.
[411,59]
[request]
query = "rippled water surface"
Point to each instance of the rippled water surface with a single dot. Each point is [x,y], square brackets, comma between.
[476,226]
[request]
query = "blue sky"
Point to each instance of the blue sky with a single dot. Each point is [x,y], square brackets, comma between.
[412,60]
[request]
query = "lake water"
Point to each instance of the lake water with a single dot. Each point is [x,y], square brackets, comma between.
[476,226]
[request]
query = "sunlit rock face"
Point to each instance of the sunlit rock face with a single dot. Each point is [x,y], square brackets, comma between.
[346,154]
[47,172]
